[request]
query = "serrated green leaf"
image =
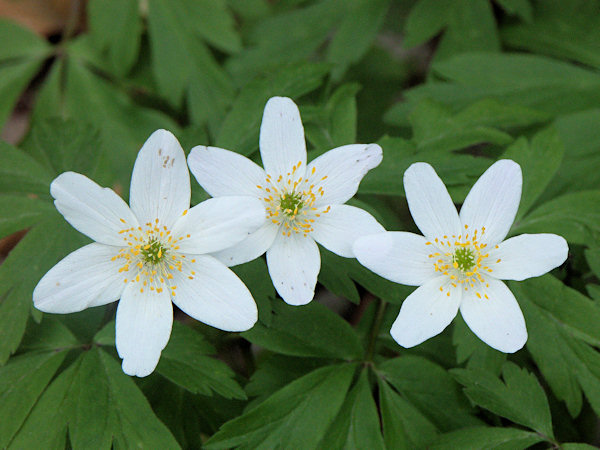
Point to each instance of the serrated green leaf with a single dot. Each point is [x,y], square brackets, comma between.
[458,171]
[473,350]
[355,34]
[47,422]
[22,381]
[19,42]
[404,426]
[287,38]
[122,42]
[539,161]
[276,371]
[477,17]
[486,438]
[51,335]
[570,216]
[520,8]
[185,362]
[567,31]
[431,390]
[426,19]
[357,423]
[22,212]
[14,78]
[296,416]
[114,410]
[436,128]
[21,271]
[310,330]
[520,398]
[214,22]
[66,145]
[20,173]
[240,129]
[567,363]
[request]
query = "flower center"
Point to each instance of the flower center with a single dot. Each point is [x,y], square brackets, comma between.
[153,252]
[290,200]
[151,256]
[462,259]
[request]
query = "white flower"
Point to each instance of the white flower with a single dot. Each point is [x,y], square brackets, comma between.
[461,259]
[304,203]
[150,254]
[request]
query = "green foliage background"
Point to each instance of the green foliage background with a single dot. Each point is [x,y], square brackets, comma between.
[456,83]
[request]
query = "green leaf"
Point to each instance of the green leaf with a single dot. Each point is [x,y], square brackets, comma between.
[122,42]
[335,277]
[255,275]
[484,438]
[436,128]
[477,17]
[22,212]
[334,124]
[214,22]
[569,216]
[549,86]
[287,38]
[99,404]
[430,389]
[539,161]
[553,314]
[20,42]
[64,145]
[20,173]
[240,129]
[22,381]
[520,8]
[458,171]
[473,350]
[592,257]
[581,138]
[520,398]
[357,423]
[426,19]
[14,78]
[567,31]
[296,416]
[74,91]
[310,330]
[21,271]
[355,34]
[51,335]
[404,426]
[184,361]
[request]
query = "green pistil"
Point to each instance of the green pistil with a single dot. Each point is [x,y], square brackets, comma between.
[464,258]
[153,252]
[290,204]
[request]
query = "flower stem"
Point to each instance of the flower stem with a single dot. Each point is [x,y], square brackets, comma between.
[377,320]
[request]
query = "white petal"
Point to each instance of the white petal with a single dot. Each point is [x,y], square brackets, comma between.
[95,211]
[143,328]
[429,202]
[218,223]
[497,320]
[426,312]
[398,256]
[250,248]
[222,172]
[344,168]
[215,296]
[84,278]
[494,200]
[341,226]
[527,255]
[294,263]
[281,142]
[160,183]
